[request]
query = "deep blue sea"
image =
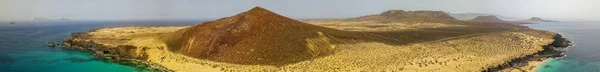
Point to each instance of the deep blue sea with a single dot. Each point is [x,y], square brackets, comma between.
[584,56]
[23,46]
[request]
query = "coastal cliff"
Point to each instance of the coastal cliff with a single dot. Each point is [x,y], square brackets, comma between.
[550,51]
[123,54]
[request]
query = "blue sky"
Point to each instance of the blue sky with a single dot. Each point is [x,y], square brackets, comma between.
[299,9]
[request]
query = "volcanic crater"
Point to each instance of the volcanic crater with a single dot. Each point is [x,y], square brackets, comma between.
[257,36]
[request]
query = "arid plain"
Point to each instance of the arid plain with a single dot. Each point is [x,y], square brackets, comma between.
[412,41]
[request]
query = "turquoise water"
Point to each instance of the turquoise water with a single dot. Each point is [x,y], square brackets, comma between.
[45,61]
[23,46]
[584,56]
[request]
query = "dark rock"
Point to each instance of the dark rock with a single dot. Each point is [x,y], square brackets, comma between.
[51,44]
[104,52]
[561,41]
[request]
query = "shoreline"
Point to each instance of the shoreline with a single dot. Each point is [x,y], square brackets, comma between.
[550,51]
[108,53]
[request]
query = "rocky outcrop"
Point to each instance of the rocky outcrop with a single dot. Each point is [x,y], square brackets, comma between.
[120,53]
[51,44]
[550,51]
[561,41]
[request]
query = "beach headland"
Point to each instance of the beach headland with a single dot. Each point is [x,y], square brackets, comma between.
[530,63]
[123,54]
[391,41]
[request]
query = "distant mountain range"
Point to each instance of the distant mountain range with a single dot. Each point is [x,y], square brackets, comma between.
[497,18]
[408,16]
[43,19]
[469,16]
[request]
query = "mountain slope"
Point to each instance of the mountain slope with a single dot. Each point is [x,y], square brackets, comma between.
[257,36]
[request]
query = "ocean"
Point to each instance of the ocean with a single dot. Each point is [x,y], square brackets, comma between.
[23,46]
[583,56]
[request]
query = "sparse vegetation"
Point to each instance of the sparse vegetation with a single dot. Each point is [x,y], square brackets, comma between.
[328,45]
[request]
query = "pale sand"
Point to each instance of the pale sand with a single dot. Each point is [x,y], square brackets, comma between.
[466,54]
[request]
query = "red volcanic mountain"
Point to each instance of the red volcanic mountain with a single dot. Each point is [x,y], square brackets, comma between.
[257,36]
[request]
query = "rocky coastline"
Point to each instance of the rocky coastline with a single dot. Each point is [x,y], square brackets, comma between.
[550,51]
[118,54]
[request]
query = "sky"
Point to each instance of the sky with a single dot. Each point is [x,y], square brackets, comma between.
[297,9]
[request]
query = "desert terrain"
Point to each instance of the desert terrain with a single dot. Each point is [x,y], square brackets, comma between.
[422,41]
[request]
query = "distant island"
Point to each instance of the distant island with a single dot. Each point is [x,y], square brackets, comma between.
[47,19]
[536,20]
[490,18]
[494,18]
[262,40]
[469,16]
[64,19]
[41,19]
